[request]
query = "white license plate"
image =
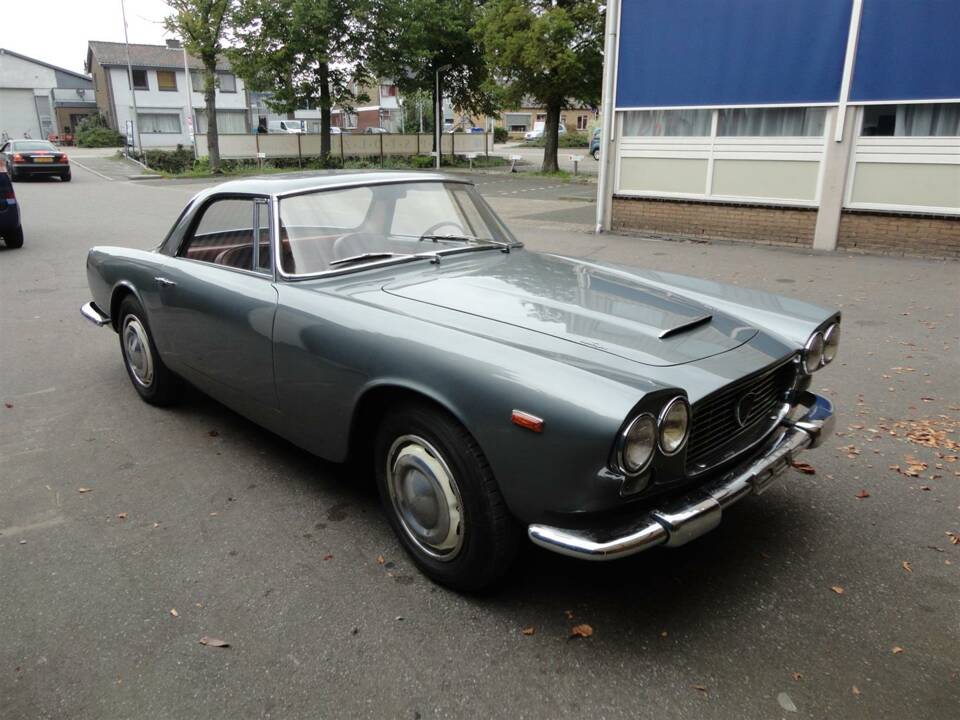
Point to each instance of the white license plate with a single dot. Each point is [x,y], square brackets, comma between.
[43,159]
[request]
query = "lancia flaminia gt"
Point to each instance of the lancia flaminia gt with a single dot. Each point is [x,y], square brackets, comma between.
[393,320]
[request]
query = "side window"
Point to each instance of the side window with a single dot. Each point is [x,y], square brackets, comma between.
[225,235]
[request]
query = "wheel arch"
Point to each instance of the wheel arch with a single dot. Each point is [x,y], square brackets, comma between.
[120,291]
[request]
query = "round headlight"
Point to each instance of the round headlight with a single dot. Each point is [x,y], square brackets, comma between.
[674,421]
[637,444]
[813,353]
[831,343]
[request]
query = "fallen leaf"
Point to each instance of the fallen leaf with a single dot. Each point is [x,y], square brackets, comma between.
[907,566]
[8,405]
[23,542]
[934,547]
[896,650]
[786,703]
[954,538]
[855,690]
[214,642]
[84,490]
[804,468]
[173,611]
[156,525]
[122,516]
[837,589]
[797,676]
[569,614]
[701,688]
[529,630]
[328,557]
[583,631]
[862,495]
[663,634]
[214,433]
[214,514]
[380,560]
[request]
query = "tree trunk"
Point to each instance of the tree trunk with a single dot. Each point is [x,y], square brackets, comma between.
[550,135]
[324,73]
[210,102]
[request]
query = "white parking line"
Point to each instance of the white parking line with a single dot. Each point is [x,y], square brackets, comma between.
[91,170]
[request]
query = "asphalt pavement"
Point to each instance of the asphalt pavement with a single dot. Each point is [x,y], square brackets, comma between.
[128,533]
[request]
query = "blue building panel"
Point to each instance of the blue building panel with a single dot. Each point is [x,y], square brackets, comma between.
[677,53]
[907,50]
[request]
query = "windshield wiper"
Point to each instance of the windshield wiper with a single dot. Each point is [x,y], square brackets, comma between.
[467,238]
[366,256]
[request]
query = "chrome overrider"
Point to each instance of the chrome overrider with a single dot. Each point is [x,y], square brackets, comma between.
[681,520]
[92,313]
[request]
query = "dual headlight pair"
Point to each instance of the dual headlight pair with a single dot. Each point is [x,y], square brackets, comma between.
[645,433]
[821,348]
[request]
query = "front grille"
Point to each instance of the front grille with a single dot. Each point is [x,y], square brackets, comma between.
[719,430]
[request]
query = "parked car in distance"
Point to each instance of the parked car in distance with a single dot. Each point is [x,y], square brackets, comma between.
[393,319]
[26,158]
[595,144]
[375,131]
[285,126]
[11,230]
[538,129]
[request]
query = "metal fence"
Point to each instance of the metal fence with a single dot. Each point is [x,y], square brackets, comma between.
[297,145]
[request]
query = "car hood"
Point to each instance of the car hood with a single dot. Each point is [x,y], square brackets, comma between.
[601,308]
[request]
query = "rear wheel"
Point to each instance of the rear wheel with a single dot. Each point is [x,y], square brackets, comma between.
[150,377]
[442,499]
[66,176]
[14,238]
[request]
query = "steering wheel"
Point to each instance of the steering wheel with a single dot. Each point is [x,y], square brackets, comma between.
[432,230]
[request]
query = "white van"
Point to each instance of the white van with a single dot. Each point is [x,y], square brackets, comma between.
[285,126]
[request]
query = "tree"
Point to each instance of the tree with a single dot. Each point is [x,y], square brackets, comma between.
[305,52]
[201,24]
[416,38]
[547,50]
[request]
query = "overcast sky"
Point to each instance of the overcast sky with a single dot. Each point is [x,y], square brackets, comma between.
[57,31]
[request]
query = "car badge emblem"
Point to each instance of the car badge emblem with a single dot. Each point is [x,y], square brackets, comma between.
[745,406]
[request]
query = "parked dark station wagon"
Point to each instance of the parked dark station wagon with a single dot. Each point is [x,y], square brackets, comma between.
[393,319]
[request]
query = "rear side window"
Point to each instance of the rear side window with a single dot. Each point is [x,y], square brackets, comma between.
[225,235]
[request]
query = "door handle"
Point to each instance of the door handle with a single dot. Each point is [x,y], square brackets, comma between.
[164,282]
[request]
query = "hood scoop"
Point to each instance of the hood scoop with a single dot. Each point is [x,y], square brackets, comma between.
[683,327]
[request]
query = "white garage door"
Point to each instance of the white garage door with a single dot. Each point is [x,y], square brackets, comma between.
[18,113]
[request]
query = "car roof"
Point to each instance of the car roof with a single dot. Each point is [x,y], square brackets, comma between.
[304,182]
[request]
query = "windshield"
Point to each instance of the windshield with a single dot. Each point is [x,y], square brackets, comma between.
[33,145]
[372,223]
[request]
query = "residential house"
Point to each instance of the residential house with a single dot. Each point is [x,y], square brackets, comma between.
[382,109]
[576,117]
[39,99]
[169,107]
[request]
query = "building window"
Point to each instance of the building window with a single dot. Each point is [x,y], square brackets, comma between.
[771,122]
[583,121]
[196,81]
[388,91]
[228,82]
[228,123]
[140,80]
[166,80]
[920,120]
[667,123]
[165,123]
[541,117]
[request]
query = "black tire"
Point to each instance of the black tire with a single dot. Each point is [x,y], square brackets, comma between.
[488,535]
[596,154]
[66,177]
[14,238]
[14,175]
[159,386]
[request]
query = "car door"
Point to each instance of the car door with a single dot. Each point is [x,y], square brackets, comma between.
[218,301]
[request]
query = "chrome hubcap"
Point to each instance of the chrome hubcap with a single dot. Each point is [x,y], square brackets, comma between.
[425,497]
[136,350]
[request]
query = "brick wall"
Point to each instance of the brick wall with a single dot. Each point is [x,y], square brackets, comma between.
[727,221]
[926,235]
[875,232]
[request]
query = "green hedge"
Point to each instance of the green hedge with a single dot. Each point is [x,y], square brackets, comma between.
[93,132]
[567,140]
[500,135]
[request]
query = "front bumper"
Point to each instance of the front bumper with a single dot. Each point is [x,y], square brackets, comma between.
[94,314]
[681,520]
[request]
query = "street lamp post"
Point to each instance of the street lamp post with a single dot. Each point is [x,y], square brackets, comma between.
[133,90]
[438,117]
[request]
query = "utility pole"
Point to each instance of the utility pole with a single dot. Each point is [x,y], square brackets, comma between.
[133,91]
[188,83]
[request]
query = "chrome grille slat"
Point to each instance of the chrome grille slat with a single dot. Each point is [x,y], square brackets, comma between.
[714,429]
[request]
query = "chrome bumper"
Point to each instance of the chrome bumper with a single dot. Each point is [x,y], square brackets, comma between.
[681,520]
[92,313]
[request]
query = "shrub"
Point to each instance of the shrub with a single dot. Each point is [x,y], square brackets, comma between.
[500,135]
[93,132]
[567,140]
[170,161]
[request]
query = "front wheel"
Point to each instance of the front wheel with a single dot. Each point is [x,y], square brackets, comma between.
[596,154]
[442,500]
[150,377]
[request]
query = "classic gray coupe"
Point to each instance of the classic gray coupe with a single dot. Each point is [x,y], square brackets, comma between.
[393,320]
